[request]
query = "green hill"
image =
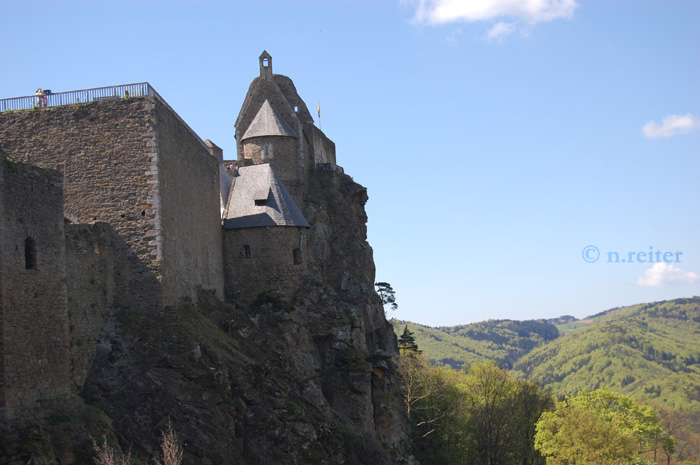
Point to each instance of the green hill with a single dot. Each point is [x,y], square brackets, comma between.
[648,351]
[502,340]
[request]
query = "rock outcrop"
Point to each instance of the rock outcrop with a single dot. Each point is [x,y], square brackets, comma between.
[302,380]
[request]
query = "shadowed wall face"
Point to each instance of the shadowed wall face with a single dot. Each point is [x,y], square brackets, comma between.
[34,356]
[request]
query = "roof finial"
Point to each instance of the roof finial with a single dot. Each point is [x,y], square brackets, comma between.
[266,66]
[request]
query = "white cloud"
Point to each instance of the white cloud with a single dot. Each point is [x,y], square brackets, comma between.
[672,125]
[529,11]
[500,31]
[663,274]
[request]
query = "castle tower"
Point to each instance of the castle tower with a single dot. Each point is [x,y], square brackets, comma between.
[274,126]
[264,235]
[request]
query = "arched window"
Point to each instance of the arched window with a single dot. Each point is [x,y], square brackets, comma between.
[265,62]
[30,254]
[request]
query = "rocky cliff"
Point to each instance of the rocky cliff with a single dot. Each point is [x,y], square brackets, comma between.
[305,380]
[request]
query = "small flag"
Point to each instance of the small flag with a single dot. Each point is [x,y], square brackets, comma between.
[319,110]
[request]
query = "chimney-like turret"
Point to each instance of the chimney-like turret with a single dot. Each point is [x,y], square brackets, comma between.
[266,66]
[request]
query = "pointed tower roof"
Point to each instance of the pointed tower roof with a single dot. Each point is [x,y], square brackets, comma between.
[268,122]
[258,198]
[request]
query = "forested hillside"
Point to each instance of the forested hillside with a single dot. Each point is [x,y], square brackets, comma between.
[649,351]
[503,341]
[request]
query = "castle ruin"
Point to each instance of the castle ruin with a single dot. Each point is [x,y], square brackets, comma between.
[113,202]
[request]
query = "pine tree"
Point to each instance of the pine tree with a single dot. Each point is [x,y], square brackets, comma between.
[407,342]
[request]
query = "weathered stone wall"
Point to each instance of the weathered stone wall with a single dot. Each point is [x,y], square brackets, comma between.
[322,148]
[190,226]
[34,362]
[132,163]
[90,268]
[109,176]
[268,262]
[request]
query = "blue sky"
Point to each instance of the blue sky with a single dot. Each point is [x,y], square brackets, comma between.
[497,139]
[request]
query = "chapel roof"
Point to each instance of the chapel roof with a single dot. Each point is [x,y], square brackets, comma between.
[268,122]
[258,198]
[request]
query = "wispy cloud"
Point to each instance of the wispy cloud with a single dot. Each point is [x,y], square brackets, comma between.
[500,31]
[663,274]
[525,11]
[672,125]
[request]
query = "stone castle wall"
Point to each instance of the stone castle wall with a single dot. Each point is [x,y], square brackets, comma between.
[91,262]
[133,164]
[264,259]
[190,224]
[322,148]
[34,340]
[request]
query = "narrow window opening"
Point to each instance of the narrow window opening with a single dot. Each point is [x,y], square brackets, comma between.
[61,168]
[260,202]
[30,254]
[297,256]
[296,108]
[246,251]
[266,62]
[266,151]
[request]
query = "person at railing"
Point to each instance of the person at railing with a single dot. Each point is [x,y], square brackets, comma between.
[40,98]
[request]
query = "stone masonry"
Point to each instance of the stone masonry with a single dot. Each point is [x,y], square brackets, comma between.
[34,356]
[134,164]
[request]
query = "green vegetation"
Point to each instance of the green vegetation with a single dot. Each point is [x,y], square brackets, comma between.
[407,343]
[483,416]
[502,341]
[600,427]
[647,352]
[387,294]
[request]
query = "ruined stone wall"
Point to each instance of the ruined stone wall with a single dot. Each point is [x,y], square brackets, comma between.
[268,262]
[34,362]
[190,226]
[322,148]
[132,163]
[109,176]
[91,261]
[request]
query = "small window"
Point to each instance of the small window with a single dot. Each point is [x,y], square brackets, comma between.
[267,152]
[297,256]
[61,168]
[246,251]
[260,202]
[30,254]
[296,108]
[266,62]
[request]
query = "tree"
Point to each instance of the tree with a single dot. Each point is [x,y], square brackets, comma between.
[387,294]
[407,342]
[597,427]
[433,404]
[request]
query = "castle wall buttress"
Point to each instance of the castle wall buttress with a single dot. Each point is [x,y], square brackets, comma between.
[34,353]
[191,233]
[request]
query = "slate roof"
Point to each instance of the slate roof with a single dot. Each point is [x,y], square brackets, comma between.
[268,123]
[258,199]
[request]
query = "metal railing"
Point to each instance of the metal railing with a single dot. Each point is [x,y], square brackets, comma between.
[50,99]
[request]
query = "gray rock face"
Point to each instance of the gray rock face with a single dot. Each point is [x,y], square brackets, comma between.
[285,381]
